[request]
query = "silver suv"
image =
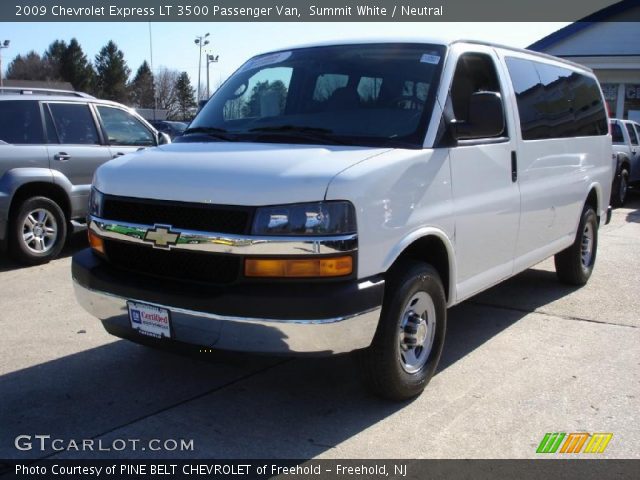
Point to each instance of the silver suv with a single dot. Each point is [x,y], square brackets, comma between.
[51,142]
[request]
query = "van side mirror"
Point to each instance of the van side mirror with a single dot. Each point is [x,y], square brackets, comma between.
[163,138]
[486,117]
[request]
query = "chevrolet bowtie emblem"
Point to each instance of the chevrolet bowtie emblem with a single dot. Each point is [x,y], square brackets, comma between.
[161,236]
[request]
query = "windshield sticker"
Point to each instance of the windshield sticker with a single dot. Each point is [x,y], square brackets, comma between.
[428,58]
[265,60]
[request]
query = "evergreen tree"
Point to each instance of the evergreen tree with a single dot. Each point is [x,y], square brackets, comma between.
[185,97]
[112,73]
[53,59]
[142,87]
[76,69]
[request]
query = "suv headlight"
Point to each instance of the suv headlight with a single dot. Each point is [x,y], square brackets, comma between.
[318,218]
[96,200]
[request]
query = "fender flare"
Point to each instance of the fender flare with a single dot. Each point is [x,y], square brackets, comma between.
[14,179]
[601,209]
[418,234]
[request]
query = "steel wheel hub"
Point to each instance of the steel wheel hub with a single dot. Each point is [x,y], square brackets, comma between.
[417,332]
[586,247]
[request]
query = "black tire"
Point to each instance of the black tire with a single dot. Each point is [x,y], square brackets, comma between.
[27,252]
[571,267]
[621,188]
[382,365]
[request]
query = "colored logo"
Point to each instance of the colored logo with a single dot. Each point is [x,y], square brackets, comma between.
[161,236]
[574,442]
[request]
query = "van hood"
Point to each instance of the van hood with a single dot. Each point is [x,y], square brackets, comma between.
[229,173]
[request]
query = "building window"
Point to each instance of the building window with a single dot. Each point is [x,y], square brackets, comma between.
[632,101]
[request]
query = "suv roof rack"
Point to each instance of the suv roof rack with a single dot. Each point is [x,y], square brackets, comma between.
[43,91]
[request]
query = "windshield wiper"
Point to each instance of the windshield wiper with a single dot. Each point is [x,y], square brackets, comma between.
[299,131]
[219,133]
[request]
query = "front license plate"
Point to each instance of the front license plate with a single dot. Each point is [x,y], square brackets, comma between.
[150,320]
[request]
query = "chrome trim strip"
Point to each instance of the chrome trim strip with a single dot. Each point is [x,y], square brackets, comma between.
[212,242]
[326,336]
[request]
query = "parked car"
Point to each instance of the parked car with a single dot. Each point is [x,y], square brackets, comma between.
[624,136]
[51,142]
[173,129]
[339,198]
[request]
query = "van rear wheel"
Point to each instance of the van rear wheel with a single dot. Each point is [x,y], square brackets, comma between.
[574,265]
[407,346]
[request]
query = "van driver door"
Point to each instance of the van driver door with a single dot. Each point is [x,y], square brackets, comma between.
[485,189]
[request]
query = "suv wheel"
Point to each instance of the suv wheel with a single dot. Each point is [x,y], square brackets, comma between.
[574,265]
[407,346]
[39,231]
[621,188]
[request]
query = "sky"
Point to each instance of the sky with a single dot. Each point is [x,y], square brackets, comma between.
[173,43]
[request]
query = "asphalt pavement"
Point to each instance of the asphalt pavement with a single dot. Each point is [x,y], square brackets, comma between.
[527,357]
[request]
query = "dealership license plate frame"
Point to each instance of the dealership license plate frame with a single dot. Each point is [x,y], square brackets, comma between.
[151,329]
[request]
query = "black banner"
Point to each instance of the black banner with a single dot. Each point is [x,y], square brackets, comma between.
[322,469]
[316,10]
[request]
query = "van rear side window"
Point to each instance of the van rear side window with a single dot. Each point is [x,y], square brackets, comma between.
[556,102]
[20,122]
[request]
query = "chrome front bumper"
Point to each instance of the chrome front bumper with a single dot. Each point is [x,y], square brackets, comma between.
[320,336]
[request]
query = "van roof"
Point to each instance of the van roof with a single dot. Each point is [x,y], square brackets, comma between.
[442,40]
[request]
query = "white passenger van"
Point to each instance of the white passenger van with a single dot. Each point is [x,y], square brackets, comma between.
[339,198]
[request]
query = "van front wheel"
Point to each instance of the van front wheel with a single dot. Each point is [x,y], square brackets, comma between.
[574,265]
[408,343]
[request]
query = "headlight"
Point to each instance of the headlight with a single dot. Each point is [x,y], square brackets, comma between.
[318,218]
[96,200]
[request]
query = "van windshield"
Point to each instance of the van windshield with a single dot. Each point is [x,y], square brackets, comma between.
[370,95]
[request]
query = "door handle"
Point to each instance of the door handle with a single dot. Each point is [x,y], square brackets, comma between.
[514,166]
[61,156]
[118,154]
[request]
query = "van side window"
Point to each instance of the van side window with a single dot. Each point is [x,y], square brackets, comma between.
[632,134]
[328,83]
[556,102]
[475,72]
[616,133]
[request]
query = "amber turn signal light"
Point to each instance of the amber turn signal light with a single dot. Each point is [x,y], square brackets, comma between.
[96,243]
[298,267]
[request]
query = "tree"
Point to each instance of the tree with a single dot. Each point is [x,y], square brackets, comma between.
[28,67]
[142,87]
[75,68]
[53,58]
[185,97]
[165,86]
[112,73]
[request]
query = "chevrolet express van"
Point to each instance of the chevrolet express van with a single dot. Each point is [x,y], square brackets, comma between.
[339,198]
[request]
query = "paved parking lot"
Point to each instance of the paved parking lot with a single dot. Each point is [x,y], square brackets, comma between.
[527,357]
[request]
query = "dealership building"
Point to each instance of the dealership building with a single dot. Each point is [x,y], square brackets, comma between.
[608,42]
